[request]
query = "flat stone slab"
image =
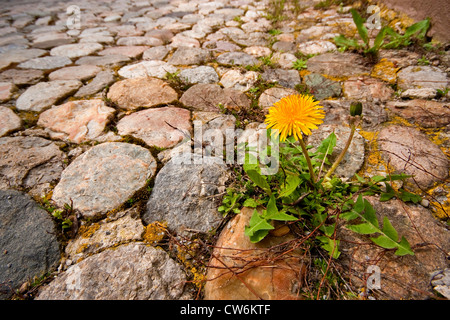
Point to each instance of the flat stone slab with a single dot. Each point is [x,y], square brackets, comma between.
[410,151]
[141,92]
[101,80]
[322,87]
[236,58]
[29,245]
[183,195]
[189,56]
[129,51]
[428,114]
[18,56]
[76,50]
[239,79]
[111,60]
[139,41]
[316,47]
[367,88]
[118,228]
[285,78]
[337,64]
[129,272]
[77,121]
[46,63]
[21,77]
[272,95]
[81,73]
[152,68]
[207,97]
[104,177]
[202,74]
[406,277]
[9,121]
[44,94]
[156,127]
[422,77]
[6,91]
[29,161]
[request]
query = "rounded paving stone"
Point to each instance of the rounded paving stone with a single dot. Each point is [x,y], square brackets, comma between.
[9,121]
[77,121]
[29,245]
[133,271]
[156,127]
[141,92]
[104,177]
[76,50]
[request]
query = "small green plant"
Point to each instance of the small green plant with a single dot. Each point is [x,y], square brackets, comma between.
[442,93]
[386,38]
[423,61]
[299,64]
[305,192]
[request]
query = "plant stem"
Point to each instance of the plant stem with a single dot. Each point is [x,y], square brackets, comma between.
[341,156]
[308,160]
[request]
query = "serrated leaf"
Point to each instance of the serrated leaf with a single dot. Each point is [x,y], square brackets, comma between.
[256,224]
[384,242]
[327,145]
[258,236]
[404,248]
[259,180]
[292,182]
[359,205]
[349,215]
[369,214]
[389,230]
[363,228]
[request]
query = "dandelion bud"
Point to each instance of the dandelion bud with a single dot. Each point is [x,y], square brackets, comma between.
[356,109]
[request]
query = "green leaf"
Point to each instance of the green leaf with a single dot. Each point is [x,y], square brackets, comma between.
[330,245]
[384,242]
[420,28]
[379,39]
[342,41]
[404,248]
[257,223]
[363,228]
[362,30]
[389,230]
[251,203]
[408,196]
[259,180]
[258,236]
[292,182]
[388,235]
[385,196]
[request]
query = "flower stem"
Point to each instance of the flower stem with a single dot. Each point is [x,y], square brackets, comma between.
[341,156]
[308,160]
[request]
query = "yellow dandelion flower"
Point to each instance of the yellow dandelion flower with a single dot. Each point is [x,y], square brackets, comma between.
[295,115]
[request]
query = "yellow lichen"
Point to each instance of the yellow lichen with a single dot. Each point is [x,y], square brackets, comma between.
[385,70]
[87,231]
[155,232]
